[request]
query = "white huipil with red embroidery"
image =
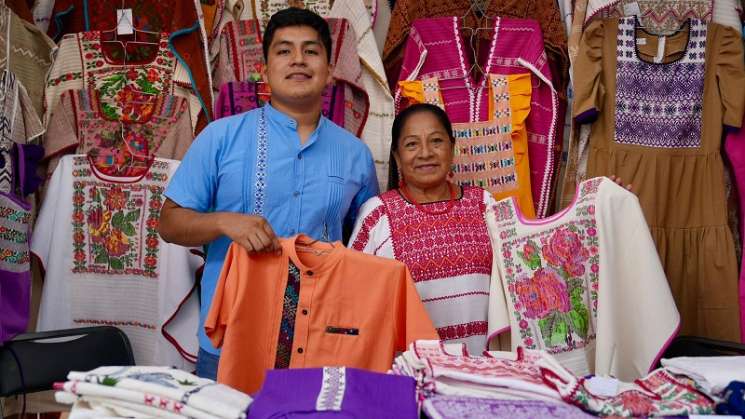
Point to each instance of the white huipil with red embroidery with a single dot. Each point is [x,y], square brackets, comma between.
[97,239]
[448,253]
[585,284]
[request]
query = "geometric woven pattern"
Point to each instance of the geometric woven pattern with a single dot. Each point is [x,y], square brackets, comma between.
[659,105]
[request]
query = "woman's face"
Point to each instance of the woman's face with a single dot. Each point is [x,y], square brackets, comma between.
[425,153]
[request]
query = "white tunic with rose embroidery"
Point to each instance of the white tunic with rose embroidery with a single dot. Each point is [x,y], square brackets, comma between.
[585,284]
[106,265]
[449,256]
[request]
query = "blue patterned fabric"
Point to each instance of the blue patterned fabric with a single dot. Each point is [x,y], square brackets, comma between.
[734,400]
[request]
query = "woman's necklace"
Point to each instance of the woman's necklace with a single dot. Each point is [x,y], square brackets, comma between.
[422,208]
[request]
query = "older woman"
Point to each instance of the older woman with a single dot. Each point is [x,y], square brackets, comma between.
[436,228]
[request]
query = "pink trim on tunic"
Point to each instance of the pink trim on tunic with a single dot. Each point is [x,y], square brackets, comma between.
[734,145]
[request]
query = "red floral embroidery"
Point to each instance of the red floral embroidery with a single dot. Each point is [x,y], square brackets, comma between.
[543,293]
[108,221]
[564,249]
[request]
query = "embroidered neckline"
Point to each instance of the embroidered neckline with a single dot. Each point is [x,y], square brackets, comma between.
[683,54]
[475,93]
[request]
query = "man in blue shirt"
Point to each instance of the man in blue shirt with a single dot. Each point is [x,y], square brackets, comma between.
[276,171]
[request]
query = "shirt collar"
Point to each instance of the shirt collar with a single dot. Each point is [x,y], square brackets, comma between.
[286,121]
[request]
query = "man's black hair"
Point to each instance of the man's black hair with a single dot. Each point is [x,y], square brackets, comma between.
[294,16]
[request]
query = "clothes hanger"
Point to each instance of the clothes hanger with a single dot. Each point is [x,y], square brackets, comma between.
[479,10]
[115,39]
[307,246]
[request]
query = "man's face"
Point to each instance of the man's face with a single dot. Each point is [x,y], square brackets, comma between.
[297,70]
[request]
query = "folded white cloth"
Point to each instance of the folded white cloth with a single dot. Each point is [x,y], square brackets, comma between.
[160,391]
[711,374]
[448,370]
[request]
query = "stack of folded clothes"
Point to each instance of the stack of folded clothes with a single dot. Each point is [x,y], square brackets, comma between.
[147,392]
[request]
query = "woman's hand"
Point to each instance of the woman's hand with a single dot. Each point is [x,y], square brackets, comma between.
[619,181]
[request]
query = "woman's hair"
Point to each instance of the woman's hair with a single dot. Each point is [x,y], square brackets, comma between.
[398,125]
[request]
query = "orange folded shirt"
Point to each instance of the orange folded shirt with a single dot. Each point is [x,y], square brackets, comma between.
[354,310]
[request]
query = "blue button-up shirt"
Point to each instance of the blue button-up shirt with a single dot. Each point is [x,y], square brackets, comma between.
[313,188]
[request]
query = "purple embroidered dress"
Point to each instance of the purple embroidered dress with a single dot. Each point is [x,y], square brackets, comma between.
[659,105]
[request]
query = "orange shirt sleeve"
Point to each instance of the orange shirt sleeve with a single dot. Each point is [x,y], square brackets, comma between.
[224,298]
[413,322]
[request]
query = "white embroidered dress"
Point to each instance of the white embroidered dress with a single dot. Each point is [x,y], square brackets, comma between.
[585,284]
[97,239]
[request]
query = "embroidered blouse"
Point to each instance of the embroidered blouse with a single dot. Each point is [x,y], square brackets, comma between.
[97,240]
[82,123]
[129,92]
[179,19]
[565,284]
[449,257]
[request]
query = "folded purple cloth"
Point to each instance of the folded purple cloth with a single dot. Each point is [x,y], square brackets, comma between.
[334,392]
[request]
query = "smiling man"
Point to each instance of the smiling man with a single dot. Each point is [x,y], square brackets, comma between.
[276,171]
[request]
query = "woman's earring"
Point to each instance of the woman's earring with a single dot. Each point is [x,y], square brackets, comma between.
[401,182]
[451,175]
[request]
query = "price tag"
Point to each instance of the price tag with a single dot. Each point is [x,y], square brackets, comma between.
[124,24]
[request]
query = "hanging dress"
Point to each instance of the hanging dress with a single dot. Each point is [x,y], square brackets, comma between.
[658,121]
[19,124]
[179,19]
[86,60]
[435,49]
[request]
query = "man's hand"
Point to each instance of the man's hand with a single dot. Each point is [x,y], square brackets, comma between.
[252,232]
[186,227]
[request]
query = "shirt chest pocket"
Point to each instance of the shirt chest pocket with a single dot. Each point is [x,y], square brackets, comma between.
[340,191]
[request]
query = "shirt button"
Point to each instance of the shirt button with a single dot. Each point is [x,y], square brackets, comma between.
[309,273]
[296,194]
[299,350]
[305,312]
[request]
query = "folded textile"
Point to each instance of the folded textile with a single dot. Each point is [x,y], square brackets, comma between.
[168,390]
[441,369]
[96,407]
[711,374]
[657,394]
[456,407]
[334,392]
[733,400]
